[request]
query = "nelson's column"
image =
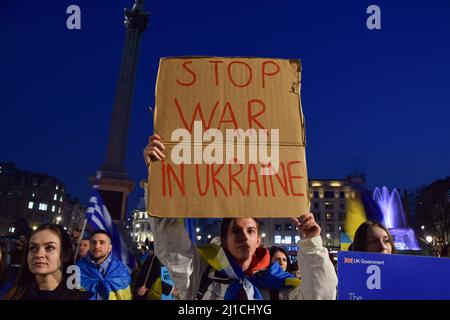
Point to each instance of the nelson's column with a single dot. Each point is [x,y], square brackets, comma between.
[115,185]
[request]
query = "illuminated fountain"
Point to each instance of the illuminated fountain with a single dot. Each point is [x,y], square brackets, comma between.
[394,219]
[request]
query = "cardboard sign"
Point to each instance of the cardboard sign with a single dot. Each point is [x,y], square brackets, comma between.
[370,276]
[235,139]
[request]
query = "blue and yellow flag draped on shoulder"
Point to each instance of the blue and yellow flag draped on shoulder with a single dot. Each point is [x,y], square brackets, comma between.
[114,285]
[271,278]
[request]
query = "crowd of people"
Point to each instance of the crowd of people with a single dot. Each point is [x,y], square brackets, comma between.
[235,267]
[45,267]
[49,265]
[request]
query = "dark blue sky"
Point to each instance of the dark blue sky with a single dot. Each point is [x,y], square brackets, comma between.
[375,101]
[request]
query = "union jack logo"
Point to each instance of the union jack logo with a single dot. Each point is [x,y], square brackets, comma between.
[348,260]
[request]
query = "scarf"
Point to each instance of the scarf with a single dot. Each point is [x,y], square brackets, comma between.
[258,276]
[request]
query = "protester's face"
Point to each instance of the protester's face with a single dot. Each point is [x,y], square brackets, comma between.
[99,246]
[21,242]
[84,248]
[378,241]
[281,258]
[242,238]
[44,253]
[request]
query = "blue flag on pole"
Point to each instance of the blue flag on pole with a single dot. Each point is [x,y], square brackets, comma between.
[98,217]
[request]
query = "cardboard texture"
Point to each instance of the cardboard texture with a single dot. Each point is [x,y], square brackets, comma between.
[229,93]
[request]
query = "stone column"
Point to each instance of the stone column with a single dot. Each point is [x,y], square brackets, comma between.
[115,185]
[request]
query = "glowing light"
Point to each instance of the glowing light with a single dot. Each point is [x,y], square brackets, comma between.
[335,184]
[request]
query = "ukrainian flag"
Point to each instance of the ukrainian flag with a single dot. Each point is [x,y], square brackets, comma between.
[114,285]
[345,241]
[359,210]
[356,215]
[272,278]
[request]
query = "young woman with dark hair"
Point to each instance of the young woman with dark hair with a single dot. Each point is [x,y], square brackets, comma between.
[43,275]
[372,236]
[279,255]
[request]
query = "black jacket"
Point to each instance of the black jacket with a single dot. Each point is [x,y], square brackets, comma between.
[60,293]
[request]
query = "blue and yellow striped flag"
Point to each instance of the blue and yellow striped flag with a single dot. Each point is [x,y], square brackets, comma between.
[359,210]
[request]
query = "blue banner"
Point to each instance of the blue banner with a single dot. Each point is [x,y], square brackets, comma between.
[373,276]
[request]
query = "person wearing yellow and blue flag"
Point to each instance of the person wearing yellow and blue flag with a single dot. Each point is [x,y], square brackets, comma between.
[239,268]
[98,218]
[102,273]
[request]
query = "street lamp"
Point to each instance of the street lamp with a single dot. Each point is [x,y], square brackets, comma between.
[263,235]
[429,239]
[199,237]
[422,227]
[197,230]
[58,219]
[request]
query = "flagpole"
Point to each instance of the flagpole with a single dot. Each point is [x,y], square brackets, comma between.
[149,269]
[79,240]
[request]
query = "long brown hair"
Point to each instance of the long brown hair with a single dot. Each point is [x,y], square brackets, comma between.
[360,240]
[25,278]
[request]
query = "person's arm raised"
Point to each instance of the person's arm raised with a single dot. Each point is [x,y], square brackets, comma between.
[319,280]
[173,247]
